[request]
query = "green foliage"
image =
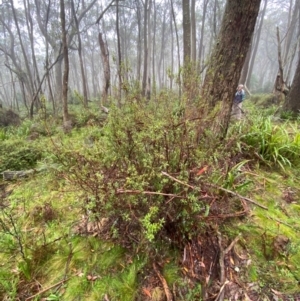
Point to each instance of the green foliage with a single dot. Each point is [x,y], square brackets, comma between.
[18,155]
[273,144]
[137,145]
[156,182]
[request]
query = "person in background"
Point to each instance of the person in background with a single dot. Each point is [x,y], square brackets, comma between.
[239,97]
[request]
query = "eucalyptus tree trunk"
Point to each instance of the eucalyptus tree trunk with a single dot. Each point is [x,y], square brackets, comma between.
[172,51]
[30,85]
[193,31]
[162,47]
[119,53]
[66,120]
[84,83]
[292,26]
[145,72]
[149,56]
[153,49]
[139,41]
[256,40]
[30,26]
[227,60]
[178,48]
[201,46]
[186,20]
[106,68]
[293,101]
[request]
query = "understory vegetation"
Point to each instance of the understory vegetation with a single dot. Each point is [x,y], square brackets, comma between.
[146,204]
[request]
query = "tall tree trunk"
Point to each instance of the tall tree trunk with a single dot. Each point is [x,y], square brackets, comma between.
[201,46]
[178,48]
[193,31]
[106,68]
[293,101]
[256,43]
[30,85]
[66,120]
[145,72]
[148,85]
[172,51]
[154,87]
[84,88]
[186,20]
[227,60]
[162,47]
[29,23]
[119,53]
[139,42]
[279,87]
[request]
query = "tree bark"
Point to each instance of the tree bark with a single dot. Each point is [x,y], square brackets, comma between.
[255,46]
[145,72]
[178,48]
[201,46]
[66,120]
[193,31]
[106,68]
[227,60]
[293,101]
[119,53]
[186,20]
[84,88]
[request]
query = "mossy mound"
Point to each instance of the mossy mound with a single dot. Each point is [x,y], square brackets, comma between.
[8,118]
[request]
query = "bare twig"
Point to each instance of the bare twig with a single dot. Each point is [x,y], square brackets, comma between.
[239,196]
[178,181]
[163,282]
[148,192]
[47,289]
[218,187]
[223,252]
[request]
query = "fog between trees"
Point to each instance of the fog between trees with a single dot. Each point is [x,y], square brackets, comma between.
[114,46]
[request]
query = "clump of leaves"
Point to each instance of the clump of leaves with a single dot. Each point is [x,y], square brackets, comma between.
[18,155]
[272,144]
[128,175]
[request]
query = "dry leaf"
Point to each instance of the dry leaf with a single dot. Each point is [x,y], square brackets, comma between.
[202,170]
[147,292]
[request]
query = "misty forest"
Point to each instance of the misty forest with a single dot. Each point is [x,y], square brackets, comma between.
[149,150]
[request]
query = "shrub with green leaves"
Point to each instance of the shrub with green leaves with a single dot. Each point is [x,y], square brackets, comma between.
[126,175]
[18,155]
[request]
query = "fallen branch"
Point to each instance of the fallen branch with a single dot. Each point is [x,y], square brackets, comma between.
[223,252]
[218,187]
[178,181]
[13,175]
[148,192]
[164,283]
[239,196]
[47,289]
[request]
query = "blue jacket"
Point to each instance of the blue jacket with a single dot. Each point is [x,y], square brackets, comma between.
[239,96]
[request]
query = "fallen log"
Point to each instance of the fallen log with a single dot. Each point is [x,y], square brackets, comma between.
[10,175]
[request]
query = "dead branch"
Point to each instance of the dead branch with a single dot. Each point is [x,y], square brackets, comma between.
[178,181]
[149,192]
[47,289]
[13,175]
[223,252]
[239,196]
[163,282]
[218,187]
